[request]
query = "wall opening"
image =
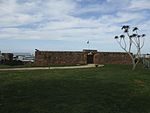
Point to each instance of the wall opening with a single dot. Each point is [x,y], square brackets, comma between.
[90,59]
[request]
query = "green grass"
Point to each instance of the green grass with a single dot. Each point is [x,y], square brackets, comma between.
[111,89]
[3,66]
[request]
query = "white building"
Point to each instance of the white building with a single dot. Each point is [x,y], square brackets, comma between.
[145,55]
[24,57]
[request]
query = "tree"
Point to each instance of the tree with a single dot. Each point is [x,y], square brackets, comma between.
[131,41]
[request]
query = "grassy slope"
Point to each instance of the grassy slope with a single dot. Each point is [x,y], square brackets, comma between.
[112,89]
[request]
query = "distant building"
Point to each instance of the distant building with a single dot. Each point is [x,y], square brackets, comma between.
[24,57]
[44,58]
[147,56]
[7,56]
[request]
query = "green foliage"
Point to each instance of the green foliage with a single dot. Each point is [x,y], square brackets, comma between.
[14,63]
[111,89]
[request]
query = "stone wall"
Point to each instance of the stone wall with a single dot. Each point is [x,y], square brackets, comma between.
[112,58]
[44,58]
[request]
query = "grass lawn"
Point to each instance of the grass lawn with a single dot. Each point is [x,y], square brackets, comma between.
[111,89]
[3,66]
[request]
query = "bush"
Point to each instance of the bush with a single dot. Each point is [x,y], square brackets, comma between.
[14,63]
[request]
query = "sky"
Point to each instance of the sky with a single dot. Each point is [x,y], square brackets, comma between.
[66,25]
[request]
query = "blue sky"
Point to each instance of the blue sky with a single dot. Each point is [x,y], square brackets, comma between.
[69,24]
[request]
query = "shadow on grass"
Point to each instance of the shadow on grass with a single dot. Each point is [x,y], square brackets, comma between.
[72,96]
[112,89]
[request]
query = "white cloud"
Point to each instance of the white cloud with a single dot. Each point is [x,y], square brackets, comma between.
[62,19]
[140,4]
[14,13]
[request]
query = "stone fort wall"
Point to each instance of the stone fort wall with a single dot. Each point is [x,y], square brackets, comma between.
[112,58]
[45,58]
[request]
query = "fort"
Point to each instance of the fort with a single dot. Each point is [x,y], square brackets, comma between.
[45,58]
